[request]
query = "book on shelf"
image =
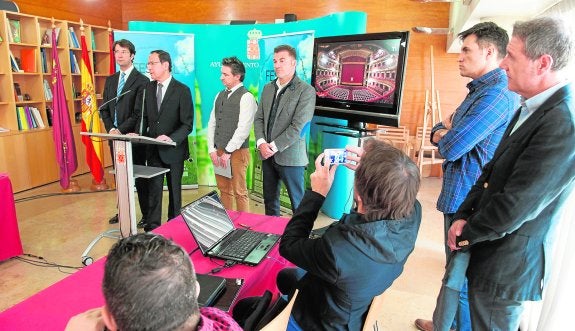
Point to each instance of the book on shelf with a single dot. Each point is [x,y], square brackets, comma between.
[14,63]
[15,34]
[28,60]
[18,93]
[73,40]
[49,113]
[48,96]
[29,118]
[22,119]
[37,117]
[47,38]
[74,67]
[44,60]
[93,35]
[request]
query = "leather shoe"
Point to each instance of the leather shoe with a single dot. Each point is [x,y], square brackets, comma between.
[113,219]
[141,223]
[425,325]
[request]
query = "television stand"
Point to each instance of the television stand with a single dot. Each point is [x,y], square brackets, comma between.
[355,130]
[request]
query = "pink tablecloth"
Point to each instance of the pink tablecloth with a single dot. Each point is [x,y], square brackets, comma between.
[10,244]
[51,308]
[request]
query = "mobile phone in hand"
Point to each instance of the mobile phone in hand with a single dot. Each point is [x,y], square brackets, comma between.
[335,155]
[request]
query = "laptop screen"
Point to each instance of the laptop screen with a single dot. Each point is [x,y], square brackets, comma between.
[208,221]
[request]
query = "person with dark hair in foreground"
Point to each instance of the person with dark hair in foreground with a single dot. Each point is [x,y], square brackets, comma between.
[150,284]
[360,256]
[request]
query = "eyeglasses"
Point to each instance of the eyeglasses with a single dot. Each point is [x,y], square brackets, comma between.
[151,63]
[123,52]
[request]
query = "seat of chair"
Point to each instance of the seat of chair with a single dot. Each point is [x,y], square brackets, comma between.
[281,321]
[397,137]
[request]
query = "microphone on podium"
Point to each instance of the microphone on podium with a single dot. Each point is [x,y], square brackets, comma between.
[114,98]
[102,106]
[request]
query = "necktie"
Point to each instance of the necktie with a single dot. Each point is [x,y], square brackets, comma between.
[226,95]
[121,83]
[159,96]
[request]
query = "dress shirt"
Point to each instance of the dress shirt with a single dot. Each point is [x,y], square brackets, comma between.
[248,108]
[529,106]
[165,84]
[261,140]
[477,127]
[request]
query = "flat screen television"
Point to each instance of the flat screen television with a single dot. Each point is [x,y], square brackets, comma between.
[360,77]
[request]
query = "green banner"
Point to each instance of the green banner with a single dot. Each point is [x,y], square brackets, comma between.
[214,42]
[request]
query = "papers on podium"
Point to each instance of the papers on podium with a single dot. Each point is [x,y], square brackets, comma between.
[132,138]
[226,172]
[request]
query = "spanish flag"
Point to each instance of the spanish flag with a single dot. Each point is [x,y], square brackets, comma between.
[91,119]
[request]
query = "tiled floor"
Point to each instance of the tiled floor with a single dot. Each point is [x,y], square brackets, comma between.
[58,228]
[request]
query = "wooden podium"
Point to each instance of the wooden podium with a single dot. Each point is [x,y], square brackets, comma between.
[125,173]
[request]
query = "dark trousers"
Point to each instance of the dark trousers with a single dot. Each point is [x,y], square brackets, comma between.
[156,186]
[292,177]
[139,158]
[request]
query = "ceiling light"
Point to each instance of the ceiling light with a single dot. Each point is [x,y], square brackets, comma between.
[427,30]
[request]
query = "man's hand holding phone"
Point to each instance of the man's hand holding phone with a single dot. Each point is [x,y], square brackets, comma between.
[322,177]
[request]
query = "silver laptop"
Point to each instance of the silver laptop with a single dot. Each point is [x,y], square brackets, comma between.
[217,236]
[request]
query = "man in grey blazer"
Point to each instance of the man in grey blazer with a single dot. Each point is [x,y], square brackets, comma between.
[284,112]
[507,219]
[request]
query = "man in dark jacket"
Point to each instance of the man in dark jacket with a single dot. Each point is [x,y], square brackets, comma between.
[360,256]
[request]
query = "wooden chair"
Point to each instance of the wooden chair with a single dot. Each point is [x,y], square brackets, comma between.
[397,137]
[426,153]
[280,322]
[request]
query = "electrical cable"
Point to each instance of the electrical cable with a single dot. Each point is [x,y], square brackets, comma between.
[44,263]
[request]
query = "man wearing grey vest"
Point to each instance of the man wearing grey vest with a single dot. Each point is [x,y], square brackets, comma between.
[228,132]
[284,112]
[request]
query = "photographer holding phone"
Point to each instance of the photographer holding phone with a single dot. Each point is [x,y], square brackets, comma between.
[379,237]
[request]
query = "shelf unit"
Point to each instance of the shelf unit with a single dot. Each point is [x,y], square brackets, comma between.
[28,156]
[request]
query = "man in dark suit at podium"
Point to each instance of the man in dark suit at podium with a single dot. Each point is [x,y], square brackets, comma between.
[168,116]
[119,115]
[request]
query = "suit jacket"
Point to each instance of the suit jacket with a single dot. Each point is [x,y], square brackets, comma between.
[515,203]
[174,119]
[124,105]
[295,111]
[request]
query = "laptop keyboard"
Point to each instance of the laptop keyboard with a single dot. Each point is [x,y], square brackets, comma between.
[240,245]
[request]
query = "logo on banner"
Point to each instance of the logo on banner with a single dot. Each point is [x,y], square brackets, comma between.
[253,49]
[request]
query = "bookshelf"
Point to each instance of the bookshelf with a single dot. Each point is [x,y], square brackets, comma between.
[28,154]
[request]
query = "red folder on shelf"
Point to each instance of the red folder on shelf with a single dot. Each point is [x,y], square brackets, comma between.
[28,60]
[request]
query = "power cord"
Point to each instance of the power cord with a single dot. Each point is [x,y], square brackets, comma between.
[229,263]
[44,263]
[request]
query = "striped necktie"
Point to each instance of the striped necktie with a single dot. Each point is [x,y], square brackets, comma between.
[118,92]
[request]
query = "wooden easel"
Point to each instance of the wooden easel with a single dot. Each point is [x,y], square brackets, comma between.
[428,153]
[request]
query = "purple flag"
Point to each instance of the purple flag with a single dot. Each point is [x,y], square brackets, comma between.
[62,127]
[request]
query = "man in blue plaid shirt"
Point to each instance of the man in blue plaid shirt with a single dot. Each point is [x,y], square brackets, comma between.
[468,138]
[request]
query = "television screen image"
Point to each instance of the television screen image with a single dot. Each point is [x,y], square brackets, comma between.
[360,77]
